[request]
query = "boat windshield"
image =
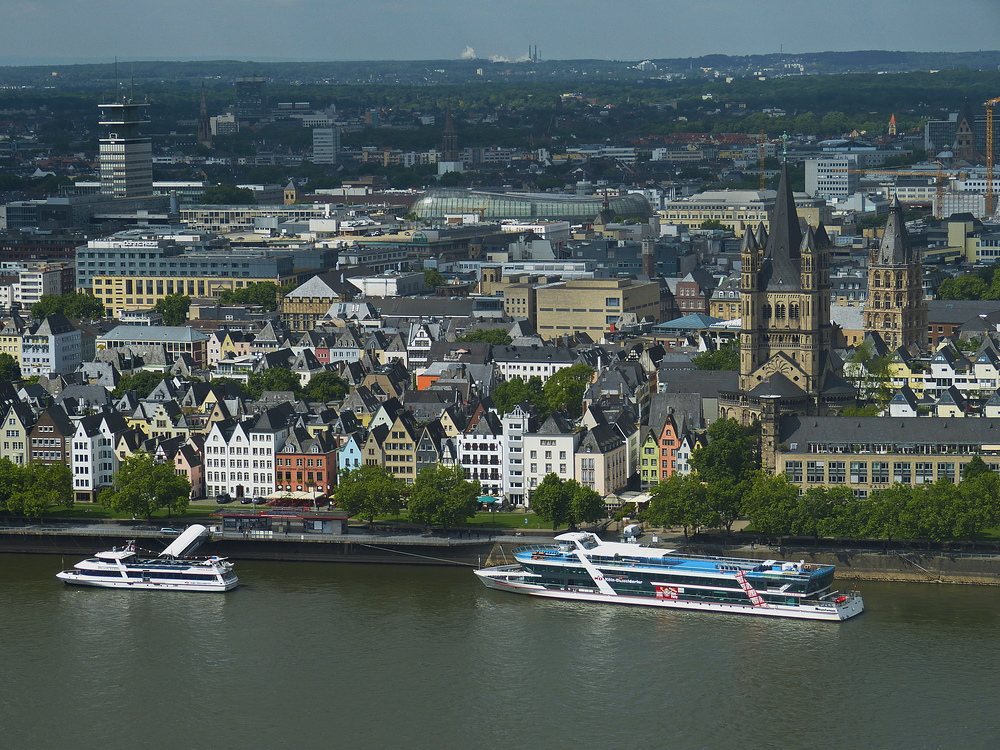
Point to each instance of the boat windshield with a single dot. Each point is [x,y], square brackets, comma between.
[589,542]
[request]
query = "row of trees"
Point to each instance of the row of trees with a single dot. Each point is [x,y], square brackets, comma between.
[144,486]
[712,494]
[264,294]
[495,336]
[72,305]
[726,484]
[560,501]
[34,489]
[941,511]
[443,496]
[983,284]
[174,308]
[562,391]
[323,386]
[726,357]
[440,495]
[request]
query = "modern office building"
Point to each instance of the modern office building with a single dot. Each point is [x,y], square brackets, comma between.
[176,340]
[836,176]
[326,145]
[741,210]
[250,97]
[126,157]
[593,306]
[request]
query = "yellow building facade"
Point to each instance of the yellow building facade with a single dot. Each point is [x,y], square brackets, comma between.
[118,293]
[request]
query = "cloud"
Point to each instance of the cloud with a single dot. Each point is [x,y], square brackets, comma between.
[468,53]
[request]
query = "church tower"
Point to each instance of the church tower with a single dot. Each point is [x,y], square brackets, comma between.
[204,136]
[785,341]
[449,145]
[895,308]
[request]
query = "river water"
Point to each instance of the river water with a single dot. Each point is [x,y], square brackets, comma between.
[355,656]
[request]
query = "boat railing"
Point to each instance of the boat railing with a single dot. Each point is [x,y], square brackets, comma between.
[832,600]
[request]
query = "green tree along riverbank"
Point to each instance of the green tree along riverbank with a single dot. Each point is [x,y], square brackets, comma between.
[727,484]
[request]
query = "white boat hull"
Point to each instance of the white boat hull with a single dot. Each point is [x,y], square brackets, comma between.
[512,578]
[74,578]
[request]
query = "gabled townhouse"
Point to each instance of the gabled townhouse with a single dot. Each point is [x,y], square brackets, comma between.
[399,449]
[51,437]
[305,365]
[418,345]
[169,389]
[18,420]
[480,453]
[550,450]
[240,456]
[189,464]
[267,339]
[434,446]
[689,443]
[158,419]
[388,381]
[94,462]
[903,403]
[454,420]
[340,345]
[53,345]
[227,344]
[362,403]
[10,337]
[351,453]
[951,403]
[306,463]
[372,450]
[658,461]
[600,461]
[986,366]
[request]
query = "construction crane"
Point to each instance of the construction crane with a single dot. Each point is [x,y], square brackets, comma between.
[990,198]
[939,181]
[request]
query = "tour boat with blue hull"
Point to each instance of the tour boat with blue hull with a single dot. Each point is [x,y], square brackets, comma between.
[172,570]
[583,567]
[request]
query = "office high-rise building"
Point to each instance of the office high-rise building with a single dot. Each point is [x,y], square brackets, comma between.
[250,97]
[326,145]
[126,156]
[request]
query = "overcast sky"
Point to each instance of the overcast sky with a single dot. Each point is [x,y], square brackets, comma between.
[55,31]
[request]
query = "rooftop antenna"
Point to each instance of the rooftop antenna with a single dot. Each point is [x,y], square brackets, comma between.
[131,84]
[117,83]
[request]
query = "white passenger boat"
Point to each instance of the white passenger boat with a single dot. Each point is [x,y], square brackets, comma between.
[173,569]
[583,567]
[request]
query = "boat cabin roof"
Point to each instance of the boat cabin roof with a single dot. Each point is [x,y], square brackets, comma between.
[115,554]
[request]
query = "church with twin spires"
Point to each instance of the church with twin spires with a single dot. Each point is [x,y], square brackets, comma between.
[787,360]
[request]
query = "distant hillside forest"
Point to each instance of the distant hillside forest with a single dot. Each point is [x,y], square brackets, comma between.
[522,112]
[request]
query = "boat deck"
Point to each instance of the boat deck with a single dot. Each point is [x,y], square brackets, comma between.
[676,562]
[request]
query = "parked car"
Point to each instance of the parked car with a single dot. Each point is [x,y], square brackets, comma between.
[170,530]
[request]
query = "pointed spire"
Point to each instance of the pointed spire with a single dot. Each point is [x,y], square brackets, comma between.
[761,234]
[785,235]
[749,243]
[808,243]
[894,248]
